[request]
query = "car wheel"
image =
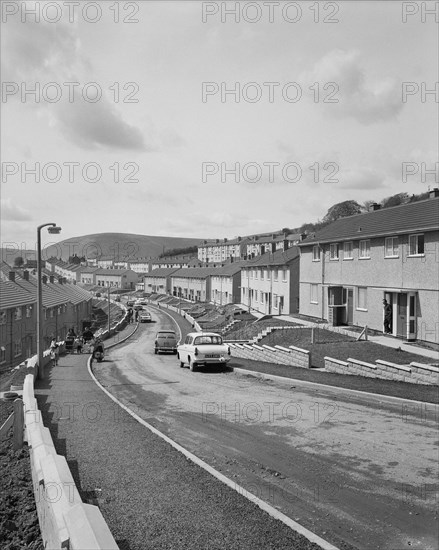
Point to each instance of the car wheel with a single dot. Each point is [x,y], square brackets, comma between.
[155,351]
[191,365]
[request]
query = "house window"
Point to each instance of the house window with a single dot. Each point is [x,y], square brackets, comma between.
[28,311]
[333,251]
[391,249]
[348,251]
[284,275]
[362,298]
[2,354]
[3,318]
[316,253]
[314,293]
[262,297]
[52,312]
[262,274]
[18,313]
[365,249]
[275,272]
[17,348]
[275,301]
[416,245]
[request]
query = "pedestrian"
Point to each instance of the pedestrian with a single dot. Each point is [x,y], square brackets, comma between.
[54,351]
[387,317]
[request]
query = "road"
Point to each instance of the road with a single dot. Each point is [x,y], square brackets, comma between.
[359,469]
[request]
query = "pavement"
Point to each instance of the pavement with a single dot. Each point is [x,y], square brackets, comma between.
[151,495]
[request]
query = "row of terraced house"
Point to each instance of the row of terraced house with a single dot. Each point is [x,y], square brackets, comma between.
[340,274]
[65,306]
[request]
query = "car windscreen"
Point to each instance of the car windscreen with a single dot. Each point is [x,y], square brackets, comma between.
[205,339]
[166,335]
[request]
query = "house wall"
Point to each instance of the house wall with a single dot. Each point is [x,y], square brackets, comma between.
[159,285]
[188,284]
[379,275]
[282,281]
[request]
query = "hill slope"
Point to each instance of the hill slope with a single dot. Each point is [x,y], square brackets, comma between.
[117,245]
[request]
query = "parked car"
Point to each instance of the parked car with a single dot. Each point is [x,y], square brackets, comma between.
[130,303]
[143,302]
[144,317]
[165,340]
[203,348]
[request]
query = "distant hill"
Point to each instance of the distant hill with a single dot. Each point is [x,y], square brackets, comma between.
[117,246]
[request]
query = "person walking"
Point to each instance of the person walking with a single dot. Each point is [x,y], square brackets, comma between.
[387,317]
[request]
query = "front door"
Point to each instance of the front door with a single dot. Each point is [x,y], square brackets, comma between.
[401,315]
[350,306]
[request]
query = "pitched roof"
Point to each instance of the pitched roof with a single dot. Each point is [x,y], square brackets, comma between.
[229,269]
[280,257]
[405,218]
[12,295]
[195,272]
[161,272]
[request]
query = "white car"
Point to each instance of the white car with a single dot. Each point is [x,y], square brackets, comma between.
[144,317]
[203,348]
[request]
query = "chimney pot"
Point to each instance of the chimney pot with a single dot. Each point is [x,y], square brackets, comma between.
[26,275]
[12,276]
[52,279]
[44,279]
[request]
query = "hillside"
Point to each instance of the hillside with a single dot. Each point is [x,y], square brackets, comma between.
[117,245]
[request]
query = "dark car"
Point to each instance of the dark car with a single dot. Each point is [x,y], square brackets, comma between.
[165,340]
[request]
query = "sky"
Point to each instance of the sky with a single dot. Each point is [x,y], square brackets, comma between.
[190,119]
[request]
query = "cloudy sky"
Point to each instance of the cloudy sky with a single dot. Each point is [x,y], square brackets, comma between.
[133,125]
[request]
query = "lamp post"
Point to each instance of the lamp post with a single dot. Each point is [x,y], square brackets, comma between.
[53,229]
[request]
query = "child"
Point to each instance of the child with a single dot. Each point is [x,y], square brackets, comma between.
[78,344]
[54,351]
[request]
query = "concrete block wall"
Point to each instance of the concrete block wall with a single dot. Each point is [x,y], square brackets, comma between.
[65,521]
[291,356]
[415,373]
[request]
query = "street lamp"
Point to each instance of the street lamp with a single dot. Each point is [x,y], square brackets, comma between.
[53,229]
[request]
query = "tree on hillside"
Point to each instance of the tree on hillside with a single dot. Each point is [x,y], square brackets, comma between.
[341,210]
[394,200]
[18,262]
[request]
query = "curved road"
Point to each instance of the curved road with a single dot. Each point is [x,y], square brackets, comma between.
[355,469]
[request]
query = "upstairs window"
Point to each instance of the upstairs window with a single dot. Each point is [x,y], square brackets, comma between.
[316,253]
[333,251]
[365,249]
[416,245]
[3,318]
[391,247]
[18,313]
[348,251]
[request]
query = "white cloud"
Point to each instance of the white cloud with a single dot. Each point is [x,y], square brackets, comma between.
[358,96]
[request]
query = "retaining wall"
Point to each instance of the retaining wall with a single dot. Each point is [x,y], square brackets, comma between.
[415,373]
[65,521]
[292,356]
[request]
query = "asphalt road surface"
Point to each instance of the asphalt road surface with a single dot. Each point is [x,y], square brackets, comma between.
[356,468]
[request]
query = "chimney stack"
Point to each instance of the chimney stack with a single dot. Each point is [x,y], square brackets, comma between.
[374,206]
[44,279]
[26,275]
[12,276]
[434,193]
